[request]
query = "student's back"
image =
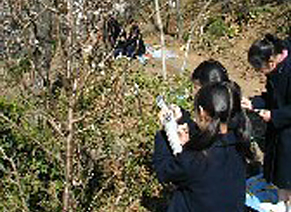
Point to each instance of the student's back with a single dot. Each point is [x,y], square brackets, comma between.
[209,173]
[207,181]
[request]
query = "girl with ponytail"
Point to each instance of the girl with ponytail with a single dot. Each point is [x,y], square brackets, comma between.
[209,173]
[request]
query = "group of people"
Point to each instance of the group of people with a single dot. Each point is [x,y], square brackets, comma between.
[210,172]
[124,44]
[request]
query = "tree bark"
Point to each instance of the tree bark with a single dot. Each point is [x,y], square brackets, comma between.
[69,138]
[160,24]
[69,160]
[179,20]
[194,24]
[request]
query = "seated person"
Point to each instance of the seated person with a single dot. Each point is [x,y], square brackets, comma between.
[135,44]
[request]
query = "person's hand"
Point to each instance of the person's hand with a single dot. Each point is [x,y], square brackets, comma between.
[183,132]
[176,111]
[173,109]
[264,114]
[246,104]
[163,114]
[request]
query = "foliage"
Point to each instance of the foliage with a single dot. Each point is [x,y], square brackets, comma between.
[112,103]
[113,147]
[217,27]
[29,176]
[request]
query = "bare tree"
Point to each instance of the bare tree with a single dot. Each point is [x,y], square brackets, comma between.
[194,24]
[179,20]
[160,24]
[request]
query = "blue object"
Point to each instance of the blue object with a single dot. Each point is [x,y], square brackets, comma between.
[259,191]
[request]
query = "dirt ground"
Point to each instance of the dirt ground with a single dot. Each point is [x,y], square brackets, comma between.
[233,57]
[231,52]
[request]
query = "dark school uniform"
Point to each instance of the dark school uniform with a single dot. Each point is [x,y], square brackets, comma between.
[277,98]
[206,181]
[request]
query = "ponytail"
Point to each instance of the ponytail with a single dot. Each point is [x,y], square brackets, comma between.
[221,101]
[216,99]
[240,124]
[205,139]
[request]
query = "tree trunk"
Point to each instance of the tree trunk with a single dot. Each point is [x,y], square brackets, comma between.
[179,21]
[160,24]
[69,140]
[69,159]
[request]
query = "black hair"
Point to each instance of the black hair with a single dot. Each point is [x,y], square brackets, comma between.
[113,30]
[210,71]
[262,50]
[186,119]
[221,101]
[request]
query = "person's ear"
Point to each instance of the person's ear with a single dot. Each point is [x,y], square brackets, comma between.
[272,64]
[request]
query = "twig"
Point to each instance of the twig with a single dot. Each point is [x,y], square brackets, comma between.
[22,196]
[155,12]
[31,138]
[32,20]
[81,118]
[193,26]
[179,20]
[100,191]
[164,70]
[54,10]
[55,126]
[70,115]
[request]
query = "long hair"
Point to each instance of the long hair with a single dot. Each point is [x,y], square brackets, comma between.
[221,101]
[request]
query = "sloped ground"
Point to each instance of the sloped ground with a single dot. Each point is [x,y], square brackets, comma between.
[233,57]
[231,52]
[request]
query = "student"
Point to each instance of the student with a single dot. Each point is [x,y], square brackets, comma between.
[135,45]
[209,174]
[120,47]
[212,71]
[113,31]
[209,71]
[272,57]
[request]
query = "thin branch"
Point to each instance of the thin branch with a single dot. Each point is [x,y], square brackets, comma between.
[51,121]
[70,115]
[81,118]
[31,20]
[105,185]
[55,127]
[54,10]
[22,196]
[48,152]
[194,24]
[155,12]
[179,20]
[164,70]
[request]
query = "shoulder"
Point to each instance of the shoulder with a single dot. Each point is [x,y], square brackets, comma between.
[286,64]
[161,136]
[227,140]
[288,41]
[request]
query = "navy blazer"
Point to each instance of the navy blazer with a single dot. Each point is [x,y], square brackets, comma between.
[206,181]
[277,98]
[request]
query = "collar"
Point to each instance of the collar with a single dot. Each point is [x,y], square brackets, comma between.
[284,59]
